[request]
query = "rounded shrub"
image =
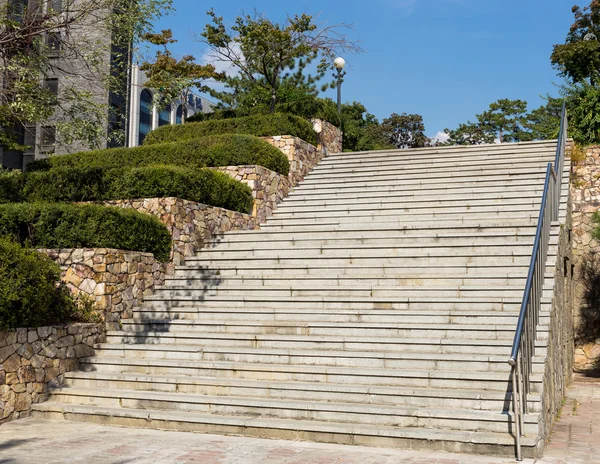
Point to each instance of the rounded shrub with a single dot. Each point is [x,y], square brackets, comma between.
[55,225]
[212,151]
[259,125]
[96,184]
[11,185]
[31,294]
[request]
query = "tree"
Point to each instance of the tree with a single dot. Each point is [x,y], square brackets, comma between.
[171,78]
[405,131]
[583,104]
[34,33]
[270,57]
[543,123]
[469,134]
[578,59]
[505,117]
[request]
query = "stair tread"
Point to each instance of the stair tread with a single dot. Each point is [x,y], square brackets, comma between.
[274,423]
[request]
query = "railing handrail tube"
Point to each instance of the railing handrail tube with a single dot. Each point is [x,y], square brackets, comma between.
[523,348]
[531,274]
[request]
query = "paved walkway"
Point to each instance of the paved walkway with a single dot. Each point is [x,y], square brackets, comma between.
[576,440]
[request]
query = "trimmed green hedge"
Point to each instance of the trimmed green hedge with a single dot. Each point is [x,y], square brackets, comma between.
[11,184]
[214,151]
[95,184]
[30,291]
[47,225]
[258,125]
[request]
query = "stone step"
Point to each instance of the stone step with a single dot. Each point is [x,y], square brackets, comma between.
[304,357]
[398,396]
[417,187]
[435,154]
[415,377]
[358,434]
[331,342]
[442,169]
[363,329]
[374,414]
[204,294]
[301,303]
[534,159]
[293,314]
[308,281]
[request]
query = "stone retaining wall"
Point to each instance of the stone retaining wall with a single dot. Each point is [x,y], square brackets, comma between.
[268,188]
[330,137]
[191,224]
[115,280]
[559,360]
[585,192]
[302,155]
[33,359]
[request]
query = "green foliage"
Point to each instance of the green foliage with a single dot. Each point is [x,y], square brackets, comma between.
[258,125]
[583,105]
[30,291]
[469,134]
[27,58]
[508,121]
[213,151]
[579,59]
[405,131]
[47,225]
[543,123]
[505,118]
[272,58]
[11,184]
[171,78]
[94,184]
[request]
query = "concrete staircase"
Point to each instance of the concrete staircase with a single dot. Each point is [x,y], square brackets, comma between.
[376,307]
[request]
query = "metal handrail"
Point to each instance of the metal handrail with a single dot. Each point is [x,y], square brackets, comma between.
[523,349]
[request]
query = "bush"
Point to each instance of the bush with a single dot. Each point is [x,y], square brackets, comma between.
[94,184]
[11,184]
[215,151]
[583,104]
[47,225]
[258,125]
[30,291]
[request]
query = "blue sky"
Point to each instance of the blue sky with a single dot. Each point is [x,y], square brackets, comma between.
[443,59]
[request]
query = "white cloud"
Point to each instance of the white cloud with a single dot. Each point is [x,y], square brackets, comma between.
[441,136]
[221,63]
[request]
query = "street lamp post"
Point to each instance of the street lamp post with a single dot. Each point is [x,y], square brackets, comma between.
[339,64]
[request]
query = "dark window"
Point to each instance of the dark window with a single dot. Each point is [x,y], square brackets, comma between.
[51,85]
[16,9]
[145,115]
[53,44]
[164,117]
[178,116]
[48,139]
[29,139]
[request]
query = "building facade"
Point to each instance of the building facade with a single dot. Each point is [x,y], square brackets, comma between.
[144,116]
[80,61]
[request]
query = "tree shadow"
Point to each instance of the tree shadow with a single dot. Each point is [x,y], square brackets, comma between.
[589,327]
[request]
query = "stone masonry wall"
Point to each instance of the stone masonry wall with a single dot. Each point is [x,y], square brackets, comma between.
[115,280]
[268,188]
[302,155]
[559,360]
[191,224]
[31,360]
[585,192]
[330,137]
